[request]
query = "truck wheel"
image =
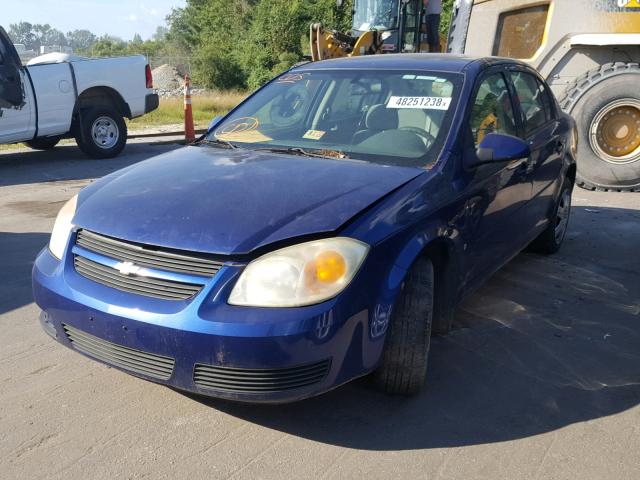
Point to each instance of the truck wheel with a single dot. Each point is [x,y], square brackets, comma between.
[44,143]
[550,240]
[404,359]
[101,133]
[605,103]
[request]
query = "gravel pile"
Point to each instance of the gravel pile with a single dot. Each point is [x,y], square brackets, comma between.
[166,77]
[169,82]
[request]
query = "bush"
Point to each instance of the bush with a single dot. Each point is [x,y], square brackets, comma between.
[213,68]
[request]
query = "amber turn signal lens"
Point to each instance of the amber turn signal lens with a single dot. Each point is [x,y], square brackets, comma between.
[330,267]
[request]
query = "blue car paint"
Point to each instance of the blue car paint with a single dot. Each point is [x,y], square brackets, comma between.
[211,200]
[399,216]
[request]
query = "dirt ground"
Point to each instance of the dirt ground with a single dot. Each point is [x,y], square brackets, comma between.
[540,378]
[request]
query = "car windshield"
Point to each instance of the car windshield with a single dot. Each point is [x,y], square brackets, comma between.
[375,14]
[389,117]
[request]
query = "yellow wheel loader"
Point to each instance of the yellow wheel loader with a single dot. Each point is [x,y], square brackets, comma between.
[379,26]
[589,52]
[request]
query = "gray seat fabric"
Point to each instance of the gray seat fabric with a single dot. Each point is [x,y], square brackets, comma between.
[412,117]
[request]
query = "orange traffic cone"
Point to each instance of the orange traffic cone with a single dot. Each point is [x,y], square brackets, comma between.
[189,131]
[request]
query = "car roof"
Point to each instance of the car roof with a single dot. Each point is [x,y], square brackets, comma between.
[442,62]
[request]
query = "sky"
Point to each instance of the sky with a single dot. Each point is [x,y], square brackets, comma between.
[122,18]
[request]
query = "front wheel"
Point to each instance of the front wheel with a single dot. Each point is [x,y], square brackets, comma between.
[101,133]
[404,360]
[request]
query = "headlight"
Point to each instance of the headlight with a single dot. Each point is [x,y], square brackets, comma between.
[300,275]
[62,228]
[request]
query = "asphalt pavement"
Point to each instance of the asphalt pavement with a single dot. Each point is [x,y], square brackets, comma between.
[540,378]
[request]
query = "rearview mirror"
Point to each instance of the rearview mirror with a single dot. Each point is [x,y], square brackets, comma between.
[214,121]
[499,147]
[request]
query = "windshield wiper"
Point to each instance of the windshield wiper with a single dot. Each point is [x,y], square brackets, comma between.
[222,143]
[306,153]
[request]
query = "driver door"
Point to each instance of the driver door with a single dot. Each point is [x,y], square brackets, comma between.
[493,226]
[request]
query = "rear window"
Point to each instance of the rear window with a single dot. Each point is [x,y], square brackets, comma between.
[520,32]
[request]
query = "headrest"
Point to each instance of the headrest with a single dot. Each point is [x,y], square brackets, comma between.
[379,117]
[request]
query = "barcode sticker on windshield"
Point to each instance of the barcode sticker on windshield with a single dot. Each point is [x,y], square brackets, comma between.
[429,103]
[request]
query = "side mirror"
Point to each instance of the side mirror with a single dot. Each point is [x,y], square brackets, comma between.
[499,147]
[214,122]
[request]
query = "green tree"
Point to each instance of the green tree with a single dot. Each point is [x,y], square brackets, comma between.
[214,32]
[49,36]
[445,18]
[22,32]
[81,40]
[109,46]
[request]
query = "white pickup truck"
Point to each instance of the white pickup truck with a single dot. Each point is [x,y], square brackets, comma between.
[61,96]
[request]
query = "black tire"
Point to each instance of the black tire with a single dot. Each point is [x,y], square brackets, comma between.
[550,241]
[96,146]
[403,368]
[587,96]
[43,143]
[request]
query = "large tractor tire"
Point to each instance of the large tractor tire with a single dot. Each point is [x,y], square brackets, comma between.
[605,103]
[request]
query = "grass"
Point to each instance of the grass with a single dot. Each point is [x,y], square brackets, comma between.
[205,107]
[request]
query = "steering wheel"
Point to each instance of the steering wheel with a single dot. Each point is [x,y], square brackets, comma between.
[290,108]
[429,139]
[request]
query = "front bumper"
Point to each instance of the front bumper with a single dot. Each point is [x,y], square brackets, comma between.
[212,348]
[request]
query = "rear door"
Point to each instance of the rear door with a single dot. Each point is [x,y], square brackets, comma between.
[15,114]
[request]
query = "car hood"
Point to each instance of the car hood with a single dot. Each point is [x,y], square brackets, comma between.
[221,201]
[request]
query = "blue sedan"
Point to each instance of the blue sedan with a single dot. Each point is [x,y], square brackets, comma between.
[322,230]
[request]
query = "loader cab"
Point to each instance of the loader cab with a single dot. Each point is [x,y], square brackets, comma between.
[398,20]
[11,92]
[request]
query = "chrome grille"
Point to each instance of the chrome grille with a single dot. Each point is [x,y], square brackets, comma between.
[148,286]
[147,256]
[136,361]
[243,380]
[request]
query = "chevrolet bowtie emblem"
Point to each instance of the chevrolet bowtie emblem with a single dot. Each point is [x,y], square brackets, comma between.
[127,268]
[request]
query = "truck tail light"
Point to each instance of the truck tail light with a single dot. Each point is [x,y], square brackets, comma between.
[149,76]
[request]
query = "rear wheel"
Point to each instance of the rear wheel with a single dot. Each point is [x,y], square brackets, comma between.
[101,133]
[606,105]
[404,359]
[43,143]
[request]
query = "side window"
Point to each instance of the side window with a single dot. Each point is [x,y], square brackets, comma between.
[533,99]
[546,97]
[492,111]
